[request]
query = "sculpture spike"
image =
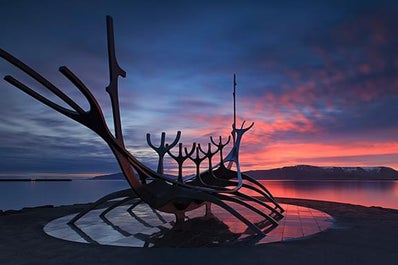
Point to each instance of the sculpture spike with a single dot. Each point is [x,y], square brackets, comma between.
[234,96]
[163,148]
[114,72]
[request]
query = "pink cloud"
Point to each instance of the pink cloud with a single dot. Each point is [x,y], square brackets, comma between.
[278,154]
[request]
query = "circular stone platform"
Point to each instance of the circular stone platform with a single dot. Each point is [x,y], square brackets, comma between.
[144,227]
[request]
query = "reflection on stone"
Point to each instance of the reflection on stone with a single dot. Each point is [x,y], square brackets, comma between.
[124,227]
[196,232]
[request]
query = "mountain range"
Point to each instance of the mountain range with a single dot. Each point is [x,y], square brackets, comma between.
[307,172]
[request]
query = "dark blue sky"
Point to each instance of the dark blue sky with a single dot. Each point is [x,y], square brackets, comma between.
[318,78]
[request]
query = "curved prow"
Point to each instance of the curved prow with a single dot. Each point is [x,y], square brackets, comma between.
[237,134]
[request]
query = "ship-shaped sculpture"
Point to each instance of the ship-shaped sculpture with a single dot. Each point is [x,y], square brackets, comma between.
[222,184]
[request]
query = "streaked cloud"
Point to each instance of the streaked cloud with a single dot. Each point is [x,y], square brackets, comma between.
[319,79]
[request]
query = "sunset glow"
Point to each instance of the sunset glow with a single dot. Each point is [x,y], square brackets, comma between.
[319,81]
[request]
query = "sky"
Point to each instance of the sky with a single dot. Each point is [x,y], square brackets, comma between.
[318,78]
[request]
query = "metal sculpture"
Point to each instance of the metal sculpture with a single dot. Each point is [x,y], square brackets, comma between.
[180,158]
[163,148]
[219,185]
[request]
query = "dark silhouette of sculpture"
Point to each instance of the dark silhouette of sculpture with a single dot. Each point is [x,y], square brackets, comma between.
[163,148]
[180,158]
[218,185]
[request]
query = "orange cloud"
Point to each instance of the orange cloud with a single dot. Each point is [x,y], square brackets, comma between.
[271,155]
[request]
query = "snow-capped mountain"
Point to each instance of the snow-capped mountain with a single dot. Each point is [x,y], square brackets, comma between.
[306,172]
[314,172]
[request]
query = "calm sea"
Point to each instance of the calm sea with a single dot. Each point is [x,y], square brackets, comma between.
[16,195]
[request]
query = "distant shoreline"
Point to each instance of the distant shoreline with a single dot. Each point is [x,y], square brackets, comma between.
[279,179]
[308,173]
[33,180]
[324,178]
[257,178]
[290,173]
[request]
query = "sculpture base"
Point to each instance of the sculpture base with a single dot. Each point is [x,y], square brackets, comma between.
[144,227]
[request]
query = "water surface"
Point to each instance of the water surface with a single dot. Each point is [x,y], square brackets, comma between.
[16,195]
[365,192]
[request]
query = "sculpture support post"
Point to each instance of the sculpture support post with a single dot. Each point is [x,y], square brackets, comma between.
[114,72]
[234,96]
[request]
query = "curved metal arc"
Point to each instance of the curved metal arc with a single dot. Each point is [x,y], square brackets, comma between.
[261,189]
[251,207]
[209,153]
[106,198]
[220,144]
[254,199]
[115,227]
[176,140]
[67,112]
[227,183]
[258,187]
[39,78]
[94,105]
[148,140]
[263,194]
[94,118]
[234,129]
[79,115]
[83,234]
[271,197]
[216,200]
[116,204]
[218,188]
[189,154]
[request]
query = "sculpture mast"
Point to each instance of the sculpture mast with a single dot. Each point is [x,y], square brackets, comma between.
[234,96]
[114,72]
